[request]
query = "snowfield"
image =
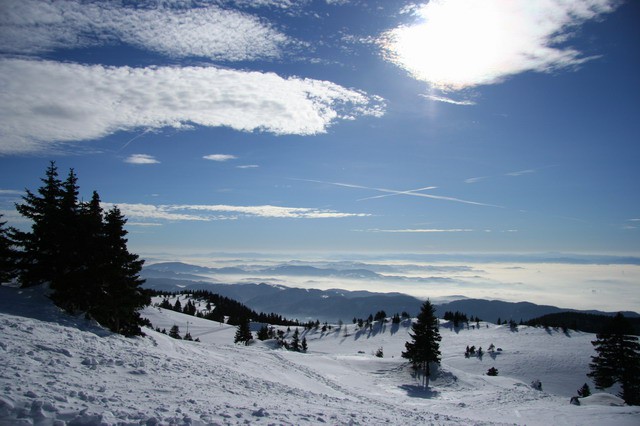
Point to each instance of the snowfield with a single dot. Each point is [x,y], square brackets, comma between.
[59,370]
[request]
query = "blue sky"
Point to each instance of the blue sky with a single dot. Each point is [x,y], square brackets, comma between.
[333,126]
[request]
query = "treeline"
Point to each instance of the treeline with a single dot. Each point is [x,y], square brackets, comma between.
[79,250]
[458,318]
[219,307]
[590,323]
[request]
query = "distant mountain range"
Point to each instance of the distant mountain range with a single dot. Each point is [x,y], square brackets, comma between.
[330,305]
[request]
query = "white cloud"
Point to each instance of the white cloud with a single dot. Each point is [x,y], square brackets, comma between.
[36,108]
[521,172]
[449,100]
[457,44]
[220,157]
[10,192]
[419,231]
[141,159]
[248,166]
[206,213]
[475,179]
[34,26]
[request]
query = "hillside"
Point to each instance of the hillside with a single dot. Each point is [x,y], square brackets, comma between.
[60,368]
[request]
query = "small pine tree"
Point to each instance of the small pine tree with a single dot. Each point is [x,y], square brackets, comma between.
[295,342]
[175,332]
[380,352]
[243,334]
[303,345]
[425,347]
[492,371]
[263,333]
[584,391]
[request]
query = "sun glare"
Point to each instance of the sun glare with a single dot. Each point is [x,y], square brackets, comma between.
[459,44]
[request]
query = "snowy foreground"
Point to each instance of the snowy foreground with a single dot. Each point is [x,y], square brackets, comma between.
[60,370]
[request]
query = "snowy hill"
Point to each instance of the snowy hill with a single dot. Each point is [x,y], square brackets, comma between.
[58,369]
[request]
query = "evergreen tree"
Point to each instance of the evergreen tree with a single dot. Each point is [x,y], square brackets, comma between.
[8,255]
[425,347]
[303,345]
[243,334]
[263,333]
[295,342]
[617,360]
[175,332]
[39,259]
[584,391]
[120,272]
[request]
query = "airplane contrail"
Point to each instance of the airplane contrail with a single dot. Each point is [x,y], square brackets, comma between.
[412,192]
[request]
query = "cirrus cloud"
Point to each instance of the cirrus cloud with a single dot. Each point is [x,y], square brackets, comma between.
[36,108]
[219,157]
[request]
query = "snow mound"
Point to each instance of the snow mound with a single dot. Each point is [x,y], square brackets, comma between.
[605,399]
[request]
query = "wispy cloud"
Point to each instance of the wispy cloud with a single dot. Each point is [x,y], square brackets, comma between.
[34,27]
[36,109]
[219,157]
[248,166]
[475,179]
[412,193]
[447,100]
[521,172]
[206,213]
[141,159]
[458,44]
[10,192]
[418,231]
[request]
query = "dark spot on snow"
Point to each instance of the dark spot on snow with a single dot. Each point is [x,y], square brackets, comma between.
[260,413]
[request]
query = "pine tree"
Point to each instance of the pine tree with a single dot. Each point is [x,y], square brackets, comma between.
[295,342]
[617,360]
[243,334]
[263,333]
[425,348]
[584,391]
[120,272]
[175,332]
[303,345]
[8,255]
[39,258]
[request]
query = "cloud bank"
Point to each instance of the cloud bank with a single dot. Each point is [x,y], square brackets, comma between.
[44,102]
[459,44]
[206,213]
[36,27]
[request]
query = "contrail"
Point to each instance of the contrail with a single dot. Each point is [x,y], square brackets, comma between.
[412,192]
[133,139]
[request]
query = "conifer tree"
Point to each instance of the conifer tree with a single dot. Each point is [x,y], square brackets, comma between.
[120,272]
[617,360]
[243,333]
[303,345]
[295,342]
[39,258]
[425,347]
[8,255]
[175,332]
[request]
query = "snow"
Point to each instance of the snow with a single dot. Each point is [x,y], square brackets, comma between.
[57,370]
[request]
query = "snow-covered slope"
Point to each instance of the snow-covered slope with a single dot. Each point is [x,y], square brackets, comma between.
[59,369]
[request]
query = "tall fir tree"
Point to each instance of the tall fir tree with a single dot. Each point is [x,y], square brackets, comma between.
[119,274]
[425,347]
[617,360]
[39,260]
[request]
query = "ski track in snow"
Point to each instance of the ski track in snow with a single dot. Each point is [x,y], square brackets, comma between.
[60,370]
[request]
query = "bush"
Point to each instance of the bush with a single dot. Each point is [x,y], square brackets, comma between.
[492,371]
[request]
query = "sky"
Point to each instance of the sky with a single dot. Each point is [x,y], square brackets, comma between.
[332,126]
